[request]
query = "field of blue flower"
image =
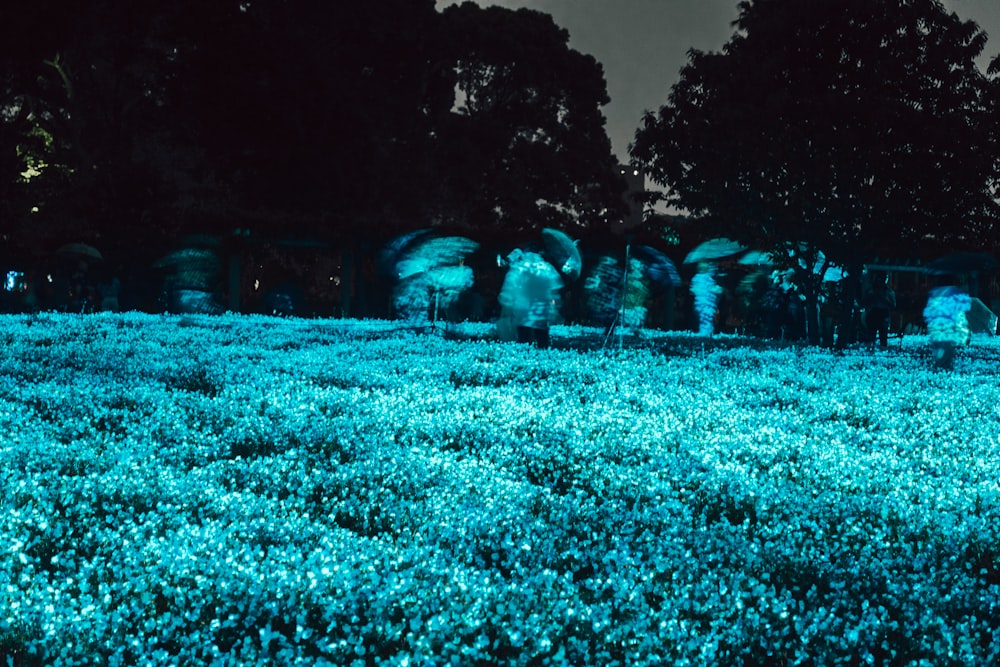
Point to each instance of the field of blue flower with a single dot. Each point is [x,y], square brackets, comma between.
[247,490]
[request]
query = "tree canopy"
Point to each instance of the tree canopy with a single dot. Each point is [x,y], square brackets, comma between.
[850,127]
[525,145]
[123,120]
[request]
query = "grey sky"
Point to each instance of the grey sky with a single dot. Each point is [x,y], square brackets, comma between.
[643,44]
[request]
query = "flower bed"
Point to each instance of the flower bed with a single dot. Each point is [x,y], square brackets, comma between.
[247,490]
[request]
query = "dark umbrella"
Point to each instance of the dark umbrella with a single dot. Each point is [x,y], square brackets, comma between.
[434,253]
[659,267]
[561,252]
[80,251]
[397,249]
[187,257]
[962,262]
[714,249]
[981,319]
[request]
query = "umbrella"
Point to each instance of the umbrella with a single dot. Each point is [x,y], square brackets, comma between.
[754,281]
[81,251]
[445,250]
[434,253]
[188,257]
[659,267]
[561,251]
[962,262]
[714,249]
[394,250]
[201,241]
[981,319]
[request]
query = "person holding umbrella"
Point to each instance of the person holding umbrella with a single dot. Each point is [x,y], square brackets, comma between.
[706,297]
[947,324]
[603,287]
[529,298]
[80,257]
[704,288]
[880,301]
[617,296]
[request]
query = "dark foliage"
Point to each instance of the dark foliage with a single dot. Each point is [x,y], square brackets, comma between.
[856,129]
[129,125]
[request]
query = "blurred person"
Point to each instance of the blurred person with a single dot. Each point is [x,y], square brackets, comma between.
[81,291]
[749,301]
[529,298]
[831,310]
[109,295]
[430,276]
[606,302]
[774,307]
[411,298]
[879,302]
[705,291]
[947,324]
[636,295]
[603,287]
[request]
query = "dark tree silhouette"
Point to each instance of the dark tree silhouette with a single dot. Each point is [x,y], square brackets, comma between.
[84,126]
[847,127]
[139,123]
[525,145]
[315,113]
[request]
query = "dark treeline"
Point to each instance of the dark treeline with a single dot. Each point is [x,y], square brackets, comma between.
[131,126]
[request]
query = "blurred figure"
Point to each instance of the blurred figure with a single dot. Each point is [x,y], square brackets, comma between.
[81,290]
[529,298]
[192,281]
[430,275]
[636,295]
[411,298]
[109,295]
[283,299]
[831,309]
[749,301]
[706,297]
[879,303]
[621,297]
[774,306]
[421,296]
[947,324]
[603,287]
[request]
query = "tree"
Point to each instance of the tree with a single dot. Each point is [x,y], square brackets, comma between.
[843,127]
[524,146]
[136,123]
[83,97]
[27,176]
[316,113]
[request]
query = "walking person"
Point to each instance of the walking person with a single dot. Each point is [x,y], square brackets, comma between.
[947,324]
[529,298]
[879,303]
[705,291]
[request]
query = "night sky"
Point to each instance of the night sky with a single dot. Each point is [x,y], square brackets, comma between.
[643,44]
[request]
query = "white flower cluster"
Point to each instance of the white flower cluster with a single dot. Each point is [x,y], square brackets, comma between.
[248,490]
